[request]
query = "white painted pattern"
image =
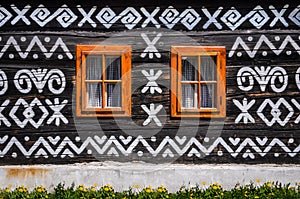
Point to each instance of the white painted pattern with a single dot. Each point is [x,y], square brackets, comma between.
[294,16]
[63,15]
[20,14]
[23,112]
[2,117]
[279,15]
[3,83]
[297,120]
[151,49]
[152,85]
[152,111]
[244,107]
[40,77]
[259,18]
[57,115]
[275,112]
[170,17]
[277,109]
[263,40]
[111,146]
[87,16]
[212,19]
[28,113]
[107,17]
[150,17]
[35,42]
[264,76]
[297,78]
[130,17]
[5,15]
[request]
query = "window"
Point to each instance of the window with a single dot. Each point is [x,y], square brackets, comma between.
[103,80]
[198,81]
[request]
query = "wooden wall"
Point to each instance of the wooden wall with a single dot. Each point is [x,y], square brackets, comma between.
[37,66]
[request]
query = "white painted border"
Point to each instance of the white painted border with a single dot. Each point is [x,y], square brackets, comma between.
[123,175]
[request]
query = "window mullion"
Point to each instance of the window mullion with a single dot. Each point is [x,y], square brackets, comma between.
[199,82]
[103,82]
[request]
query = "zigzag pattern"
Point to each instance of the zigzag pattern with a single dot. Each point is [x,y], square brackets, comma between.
[263,40]
[48,146]
[35,41]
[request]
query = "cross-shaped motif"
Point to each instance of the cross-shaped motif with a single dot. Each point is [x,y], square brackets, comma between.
[151,49]
[152,114]
[152,85]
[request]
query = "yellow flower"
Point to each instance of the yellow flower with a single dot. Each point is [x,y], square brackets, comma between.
[203,183]
[136,186]
[39,190]
[7,190]
[95,185]
[215,187]
[93,189]
[21,190]
[257,180]
[256,197]
[160,190]
[269,184]
[81,188]
[148,190]
[46,196]
[9,185]
[292,187]
[106,189]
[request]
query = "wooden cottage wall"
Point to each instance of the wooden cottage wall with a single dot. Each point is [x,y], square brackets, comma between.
[37,69]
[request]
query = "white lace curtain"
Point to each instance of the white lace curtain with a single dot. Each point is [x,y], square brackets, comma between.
[94,68]
[190,93]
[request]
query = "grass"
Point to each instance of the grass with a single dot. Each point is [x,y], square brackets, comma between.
[267,190]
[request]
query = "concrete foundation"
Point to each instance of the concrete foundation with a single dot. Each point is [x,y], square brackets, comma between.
[123,175]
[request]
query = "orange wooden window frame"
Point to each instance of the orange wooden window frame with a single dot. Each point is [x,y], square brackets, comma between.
[82,110]
[220,100]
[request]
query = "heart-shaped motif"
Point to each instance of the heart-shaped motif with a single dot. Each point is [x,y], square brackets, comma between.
[100,140]
[125,141]
[181,141]
[168,152]
[248,153]
[234,141]
[2,140]
[261,142]
[53,140]
[194,152]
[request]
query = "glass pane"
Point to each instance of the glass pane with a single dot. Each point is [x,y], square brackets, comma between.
[189,68]
[208,94]
[113,67]
[94,95]
[208,68]
[189,97]
[113,95]
[93,67]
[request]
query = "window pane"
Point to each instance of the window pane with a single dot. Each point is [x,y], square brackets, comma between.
[94,95]
[113,67]
[93,67]
[208,68]
[189,68]
[208,95]
[189,96]
[113,95]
